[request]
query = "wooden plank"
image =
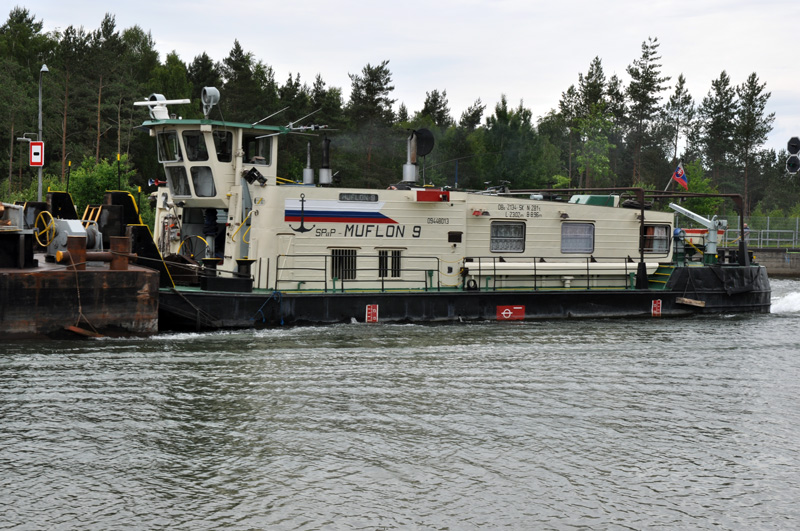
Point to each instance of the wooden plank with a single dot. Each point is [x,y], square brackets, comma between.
[691,302]
[82,332]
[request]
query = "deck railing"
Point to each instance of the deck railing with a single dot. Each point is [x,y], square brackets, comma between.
[362,272]
[329,273]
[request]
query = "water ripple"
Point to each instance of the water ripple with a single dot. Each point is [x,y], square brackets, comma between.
[552,425]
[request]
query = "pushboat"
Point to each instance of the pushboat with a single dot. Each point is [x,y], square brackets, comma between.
[246,248]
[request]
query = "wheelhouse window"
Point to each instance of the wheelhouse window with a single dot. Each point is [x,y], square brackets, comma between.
[203,181]
[195,144]
[577,238]
[343,264]
[223,144]
[656,239]
[389,263]
[257,149]
[507,237]
[169,149]
[178,181]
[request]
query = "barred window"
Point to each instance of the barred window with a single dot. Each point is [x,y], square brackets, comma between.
[507,237]
[343,264]
[389,264]
[577,238]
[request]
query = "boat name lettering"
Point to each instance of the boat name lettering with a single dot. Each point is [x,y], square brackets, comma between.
[438,221]
[358,230]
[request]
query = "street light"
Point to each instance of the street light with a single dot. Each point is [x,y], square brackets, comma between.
[41,71]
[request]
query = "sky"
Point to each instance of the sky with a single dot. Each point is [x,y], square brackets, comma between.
[529,50]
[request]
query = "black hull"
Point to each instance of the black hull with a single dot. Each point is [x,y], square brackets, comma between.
[689,291]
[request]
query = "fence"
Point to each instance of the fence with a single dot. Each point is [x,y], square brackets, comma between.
[765,231]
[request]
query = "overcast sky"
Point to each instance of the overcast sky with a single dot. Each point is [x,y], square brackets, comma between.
[529,50]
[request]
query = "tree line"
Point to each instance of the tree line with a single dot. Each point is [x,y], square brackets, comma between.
[603,132]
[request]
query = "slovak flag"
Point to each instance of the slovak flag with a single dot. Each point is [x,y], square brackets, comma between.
[680,176]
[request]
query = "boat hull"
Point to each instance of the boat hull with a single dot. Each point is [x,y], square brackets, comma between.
[54,302]
[689,291]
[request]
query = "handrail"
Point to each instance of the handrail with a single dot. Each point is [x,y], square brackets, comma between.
[316,272]
[233,236]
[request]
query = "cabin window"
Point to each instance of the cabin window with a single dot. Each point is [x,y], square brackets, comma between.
[389,263]
[257,149]
[577,238]
[656,239]
[169,150]
[203,181]
[195,145]
[507,237]
[178,182]
[343,264]
[223,143]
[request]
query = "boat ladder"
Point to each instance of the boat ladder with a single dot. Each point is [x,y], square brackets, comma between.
[91,214]
[658,280]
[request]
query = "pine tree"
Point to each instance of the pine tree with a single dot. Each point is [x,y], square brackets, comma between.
[436,108]
[369,95]
[643,93]
[679,114]
[751,125]
[717,113]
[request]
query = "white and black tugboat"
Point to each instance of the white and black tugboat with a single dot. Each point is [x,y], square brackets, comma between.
[248,249]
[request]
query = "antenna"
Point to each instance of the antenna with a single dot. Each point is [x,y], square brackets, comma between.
[270,116]
[157,104]
[291,124]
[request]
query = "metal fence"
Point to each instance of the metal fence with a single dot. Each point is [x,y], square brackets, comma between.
[764,231]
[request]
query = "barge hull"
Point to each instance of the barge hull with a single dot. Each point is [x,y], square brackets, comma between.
[690,291]
[60,302]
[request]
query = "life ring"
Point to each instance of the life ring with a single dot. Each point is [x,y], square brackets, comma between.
[472,285]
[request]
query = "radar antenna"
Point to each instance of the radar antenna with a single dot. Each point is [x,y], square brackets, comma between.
[157,104]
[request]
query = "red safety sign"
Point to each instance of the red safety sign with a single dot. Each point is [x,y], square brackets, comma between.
[37,154]
[655,308]
[510,313]
[372,313]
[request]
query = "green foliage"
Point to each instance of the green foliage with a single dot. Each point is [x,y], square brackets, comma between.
[699,184]
[89,181]
[602,132]
[369,96]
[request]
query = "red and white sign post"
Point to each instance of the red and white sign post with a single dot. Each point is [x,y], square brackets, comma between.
[37,154]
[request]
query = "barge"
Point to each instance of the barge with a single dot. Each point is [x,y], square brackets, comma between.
[245,248]
[58,279]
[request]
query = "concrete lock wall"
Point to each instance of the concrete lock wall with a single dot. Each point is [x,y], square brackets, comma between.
[779,262]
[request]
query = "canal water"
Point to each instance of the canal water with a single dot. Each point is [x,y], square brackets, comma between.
[595,424]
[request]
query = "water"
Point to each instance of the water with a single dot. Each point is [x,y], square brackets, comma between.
[597,424]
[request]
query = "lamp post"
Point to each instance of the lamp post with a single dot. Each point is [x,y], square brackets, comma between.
[41,71]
